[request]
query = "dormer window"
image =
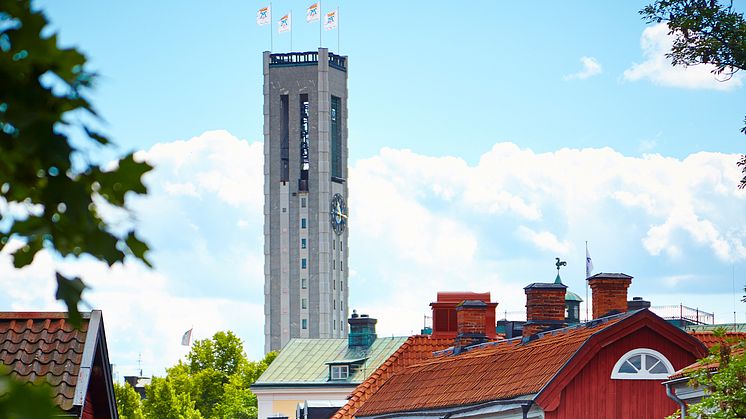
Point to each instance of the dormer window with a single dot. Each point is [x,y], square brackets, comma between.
[642,364]
[339,372]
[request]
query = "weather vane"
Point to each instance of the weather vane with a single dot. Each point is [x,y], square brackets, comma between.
[559,264]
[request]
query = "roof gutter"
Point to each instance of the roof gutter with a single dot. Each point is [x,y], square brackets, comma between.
[525,405]
[671,393]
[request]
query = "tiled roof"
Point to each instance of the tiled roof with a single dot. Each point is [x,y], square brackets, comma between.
[43,346]
[493,371]
[710,340]
[305,361]
[416,349]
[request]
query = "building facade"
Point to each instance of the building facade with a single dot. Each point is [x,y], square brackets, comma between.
[305,197]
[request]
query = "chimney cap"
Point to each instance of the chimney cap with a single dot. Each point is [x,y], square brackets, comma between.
[471,304]
[602,275]
[543,285]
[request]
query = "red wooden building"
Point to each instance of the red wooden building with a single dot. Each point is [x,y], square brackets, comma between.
[74,362]
[610,367]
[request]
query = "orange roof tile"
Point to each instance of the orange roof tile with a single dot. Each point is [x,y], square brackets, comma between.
[492,371]
[44,346]
[710,340]
[414,350]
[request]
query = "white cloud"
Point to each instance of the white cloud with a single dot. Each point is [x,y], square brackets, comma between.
[591,67]
[544,240]
[418,224]
[655,43]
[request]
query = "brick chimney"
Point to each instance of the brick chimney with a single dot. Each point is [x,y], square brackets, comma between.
[445,324]
[545,307]
[609,293]
[471,316]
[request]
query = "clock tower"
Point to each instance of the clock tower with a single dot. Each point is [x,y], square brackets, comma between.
[305,197]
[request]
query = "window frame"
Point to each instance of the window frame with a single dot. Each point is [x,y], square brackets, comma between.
[643,373]
[340,376]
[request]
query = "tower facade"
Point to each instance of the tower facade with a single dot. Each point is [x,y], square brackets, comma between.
[305,197]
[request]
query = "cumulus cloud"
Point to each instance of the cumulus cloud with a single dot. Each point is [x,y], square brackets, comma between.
[655,43]
[591,67]
[418,225]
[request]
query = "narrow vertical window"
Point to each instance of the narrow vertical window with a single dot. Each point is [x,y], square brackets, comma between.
[304,303]
[304,324]
[302,243]
[284,138]
[303,283]
[303,202]
[302,223]
[303,263]
[336,140]
[304,146]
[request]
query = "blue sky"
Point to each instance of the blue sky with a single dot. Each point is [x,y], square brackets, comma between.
[486,138]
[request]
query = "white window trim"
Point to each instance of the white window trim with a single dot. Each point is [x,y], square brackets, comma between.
[644,374]
[343,370]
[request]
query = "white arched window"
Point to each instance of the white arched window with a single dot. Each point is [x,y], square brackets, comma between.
[642,364]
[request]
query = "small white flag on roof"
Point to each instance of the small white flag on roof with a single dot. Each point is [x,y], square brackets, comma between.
[312,13]
[263,16]
[588,263]
[284,24]
[330,22]
[186,340]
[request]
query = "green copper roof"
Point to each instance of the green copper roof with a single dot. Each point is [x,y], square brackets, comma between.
[306,361]
[571,296]
[557,280]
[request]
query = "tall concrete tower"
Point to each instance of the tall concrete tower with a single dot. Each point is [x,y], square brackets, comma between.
[305,197]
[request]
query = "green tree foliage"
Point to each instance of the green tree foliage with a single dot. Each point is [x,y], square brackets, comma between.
[725,388]
[53,194]
[213,383]
[705,32]
[128,402]
[23,400]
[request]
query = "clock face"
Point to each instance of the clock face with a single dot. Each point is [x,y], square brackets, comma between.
[338,214]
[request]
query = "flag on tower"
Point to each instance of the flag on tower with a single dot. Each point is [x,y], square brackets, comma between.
[263,16]
[284,24]
[186,340]
[312,13]
[331,20]
[588,263]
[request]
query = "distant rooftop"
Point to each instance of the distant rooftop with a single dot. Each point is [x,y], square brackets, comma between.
[294,59]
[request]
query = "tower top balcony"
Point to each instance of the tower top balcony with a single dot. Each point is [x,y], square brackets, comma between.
[294,59]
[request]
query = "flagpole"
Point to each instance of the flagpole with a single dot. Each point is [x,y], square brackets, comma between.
[271,28]
[319,14]
[291,30]
[586,280]
[339,28]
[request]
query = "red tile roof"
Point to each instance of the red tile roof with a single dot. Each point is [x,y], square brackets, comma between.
[493,371]
[44,346]
[414,350]
[710,340]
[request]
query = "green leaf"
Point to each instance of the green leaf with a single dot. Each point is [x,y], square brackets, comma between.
[138,248]
[24,400]
[70,291]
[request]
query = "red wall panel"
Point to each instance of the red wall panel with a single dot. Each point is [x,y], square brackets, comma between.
[592,394]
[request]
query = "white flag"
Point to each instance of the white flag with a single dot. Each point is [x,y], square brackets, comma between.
[588,263]
[284,24]
[312,13]
[187,338]
[331,20]
[263,16]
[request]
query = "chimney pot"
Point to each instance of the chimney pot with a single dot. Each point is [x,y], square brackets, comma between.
[609,293]
[545,307]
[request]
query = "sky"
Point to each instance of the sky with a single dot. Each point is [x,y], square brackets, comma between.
[485,139]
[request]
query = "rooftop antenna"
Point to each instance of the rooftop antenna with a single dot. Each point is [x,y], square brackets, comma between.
[733,276]
[139,363]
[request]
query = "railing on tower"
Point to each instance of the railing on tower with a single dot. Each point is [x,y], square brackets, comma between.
[306,58]
[684,313]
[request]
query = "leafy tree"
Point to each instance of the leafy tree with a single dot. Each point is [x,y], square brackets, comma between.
[705,32]
[20,400]
[54,194]
[51,194]
[215,379]
[128,402]
[163,402]
[725,388]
